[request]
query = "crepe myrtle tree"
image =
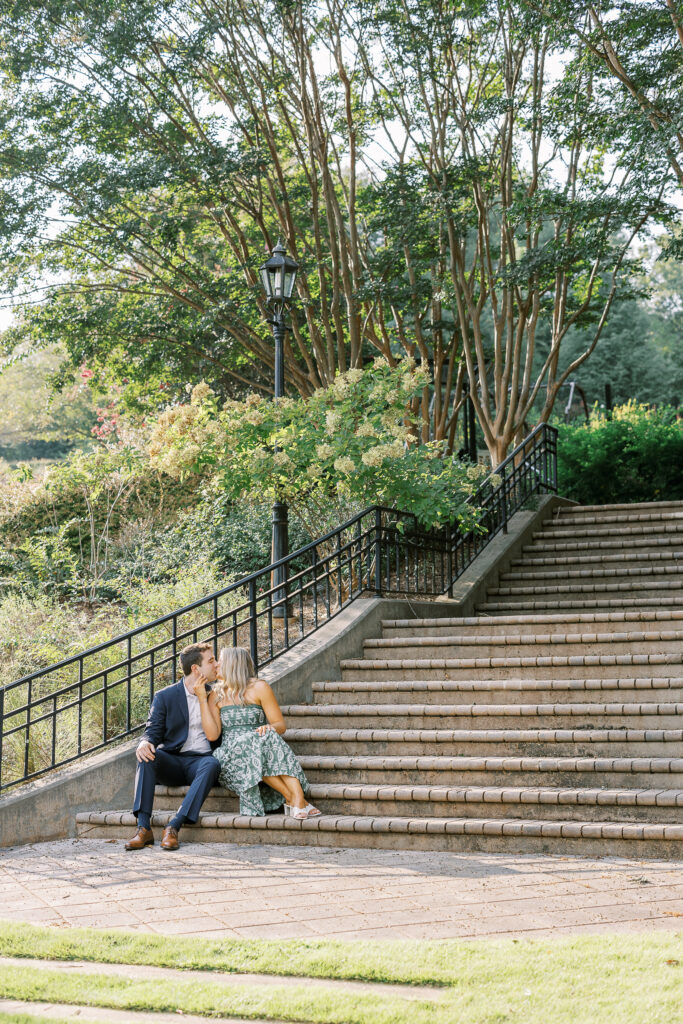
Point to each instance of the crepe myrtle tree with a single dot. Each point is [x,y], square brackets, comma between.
[446,194]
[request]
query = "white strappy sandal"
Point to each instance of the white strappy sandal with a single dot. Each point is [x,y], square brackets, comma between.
[309,811]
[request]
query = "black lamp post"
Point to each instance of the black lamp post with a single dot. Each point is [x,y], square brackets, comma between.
[278,275]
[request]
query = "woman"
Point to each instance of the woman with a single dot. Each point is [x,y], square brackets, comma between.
[255,761]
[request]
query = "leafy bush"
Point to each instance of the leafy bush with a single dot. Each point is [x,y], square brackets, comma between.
[353,444]
[636,455]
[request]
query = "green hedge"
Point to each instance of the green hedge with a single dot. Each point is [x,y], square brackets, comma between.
[636,455]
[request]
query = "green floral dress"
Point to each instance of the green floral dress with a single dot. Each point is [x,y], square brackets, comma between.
[245,757]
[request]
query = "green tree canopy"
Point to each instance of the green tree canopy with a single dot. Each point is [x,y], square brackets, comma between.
[445,191]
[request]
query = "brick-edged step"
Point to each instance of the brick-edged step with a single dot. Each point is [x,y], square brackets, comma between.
[657,573]
[466,801]
[589,593]
[597,602]
[609,518]
[510,835]
[531,770]
[501,742]
[518,644]
[570,666]
[612,545]
[558,530]
[492,691]
[580,622]
[650,715]
[636,506]
[596,559]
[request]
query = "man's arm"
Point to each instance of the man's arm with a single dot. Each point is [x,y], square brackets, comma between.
[154,730]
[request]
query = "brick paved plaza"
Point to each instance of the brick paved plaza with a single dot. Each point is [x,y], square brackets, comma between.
[218,890]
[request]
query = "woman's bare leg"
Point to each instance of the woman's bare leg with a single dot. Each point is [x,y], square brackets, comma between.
[298,798]
[279,783]
[289,787]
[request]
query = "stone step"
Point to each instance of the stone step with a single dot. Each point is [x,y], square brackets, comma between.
[590,771]
[569,666]
[587,603]
[600,560]
[466,801]
[506,742]
[510,835]
[658,573]
[613,545]
[489,691]
[649,715]
[489,625]
[588,591]
[635,506]
[559,531]
[586,518]
[623,642]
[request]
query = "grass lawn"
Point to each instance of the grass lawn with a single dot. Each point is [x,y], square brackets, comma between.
[23,1018]
[613,979]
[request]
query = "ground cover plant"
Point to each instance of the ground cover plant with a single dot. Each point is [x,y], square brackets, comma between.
[594,979]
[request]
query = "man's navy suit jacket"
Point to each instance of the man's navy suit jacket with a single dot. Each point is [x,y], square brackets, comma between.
[169,723]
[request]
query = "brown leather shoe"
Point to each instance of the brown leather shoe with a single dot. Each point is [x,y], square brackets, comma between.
[142,838]
[169,840]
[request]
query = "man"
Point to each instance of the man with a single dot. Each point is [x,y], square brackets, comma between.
[175,749]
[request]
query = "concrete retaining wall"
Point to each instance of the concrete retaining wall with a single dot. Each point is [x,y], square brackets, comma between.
[46,809]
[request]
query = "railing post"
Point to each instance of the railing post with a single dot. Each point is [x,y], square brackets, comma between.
[128,683]
[378,552]
[2,727]
[215,627]
[253,631]
[449,558]
[314,571]
[503,491]
[27,738]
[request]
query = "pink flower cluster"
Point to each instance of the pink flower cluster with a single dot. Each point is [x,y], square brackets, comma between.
[107,422]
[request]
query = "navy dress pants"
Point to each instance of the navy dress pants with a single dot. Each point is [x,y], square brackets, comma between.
[198,771]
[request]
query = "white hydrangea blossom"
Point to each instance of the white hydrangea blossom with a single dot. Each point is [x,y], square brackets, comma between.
[344,464]
[200,392]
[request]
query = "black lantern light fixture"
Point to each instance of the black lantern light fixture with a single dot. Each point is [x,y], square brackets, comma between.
[278,275]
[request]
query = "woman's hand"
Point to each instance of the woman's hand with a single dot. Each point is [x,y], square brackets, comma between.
[263,729]
[199,686]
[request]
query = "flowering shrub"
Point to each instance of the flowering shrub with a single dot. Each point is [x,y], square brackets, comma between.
[347,446]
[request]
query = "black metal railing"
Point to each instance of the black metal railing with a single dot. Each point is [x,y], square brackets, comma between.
[89,701]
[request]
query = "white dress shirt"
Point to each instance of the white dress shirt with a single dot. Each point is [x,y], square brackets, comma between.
[196,742]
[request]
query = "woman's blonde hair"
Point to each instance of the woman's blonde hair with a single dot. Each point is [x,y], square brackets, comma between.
[235,672]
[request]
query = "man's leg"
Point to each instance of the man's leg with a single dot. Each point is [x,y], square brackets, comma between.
[201,773]
[167,769]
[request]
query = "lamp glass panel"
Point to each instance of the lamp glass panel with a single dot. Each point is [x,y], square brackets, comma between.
[265,281]
[290,275]
[277,283]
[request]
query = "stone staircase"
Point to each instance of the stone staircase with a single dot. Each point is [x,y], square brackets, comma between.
[551,721]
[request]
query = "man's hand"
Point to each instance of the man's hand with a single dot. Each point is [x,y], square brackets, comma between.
[199,687]
[145,751]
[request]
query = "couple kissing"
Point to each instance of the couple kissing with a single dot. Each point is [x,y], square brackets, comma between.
[218,724]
